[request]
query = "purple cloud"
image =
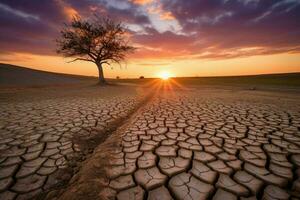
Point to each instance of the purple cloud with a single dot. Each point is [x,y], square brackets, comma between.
[206,28]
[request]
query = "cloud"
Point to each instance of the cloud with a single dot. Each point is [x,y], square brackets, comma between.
[32,27]
[141,2]
[207,29]
[154,64]
[17,12]
[228,26]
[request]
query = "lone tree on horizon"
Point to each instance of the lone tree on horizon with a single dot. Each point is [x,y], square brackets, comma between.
[99,40]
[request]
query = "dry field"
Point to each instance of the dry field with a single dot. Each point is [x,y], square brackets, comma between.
[156,140]
[46,133]
[199,144]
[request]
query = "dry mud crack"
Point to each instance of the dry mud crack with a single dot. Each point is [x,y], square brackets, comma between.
[198,145]
[182,144]
[45,139]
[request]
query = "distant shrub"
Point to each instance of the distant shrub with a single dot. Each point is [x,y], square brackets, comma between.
[142,77]
[118,77]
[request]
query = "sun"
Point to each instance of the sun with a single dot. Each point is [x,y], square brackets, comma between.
[164,75]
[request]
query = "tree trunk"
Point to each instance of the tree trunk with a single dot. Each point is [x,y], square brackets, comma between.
[101,75]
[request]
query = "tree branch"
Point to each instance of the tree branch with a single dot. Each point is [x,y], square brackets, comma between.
[83,59]
[99,40]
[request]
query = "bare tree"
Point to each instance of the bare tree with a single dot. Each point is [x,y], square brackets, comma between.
[99,40]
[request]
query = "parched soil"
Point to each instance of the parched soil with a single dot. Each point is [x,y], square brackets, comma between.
[199,144]
[45,134]
[129,142]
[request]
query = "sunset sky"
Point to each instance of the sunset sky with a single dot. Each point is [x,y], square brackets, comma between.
[181,37]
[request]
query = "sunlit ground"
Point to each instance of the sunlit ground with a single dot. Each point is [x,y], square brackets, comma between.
[165,83]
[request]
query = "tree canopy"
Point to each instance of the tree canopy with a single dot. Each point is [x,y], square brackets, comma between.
[98,40]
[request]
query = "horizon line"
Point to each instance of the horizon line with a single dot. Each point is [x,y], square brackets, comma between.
[196,76]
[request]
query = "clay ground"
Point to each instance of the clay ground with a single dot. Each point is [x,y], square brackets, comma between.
[199,143]
[47,132]
[156,140]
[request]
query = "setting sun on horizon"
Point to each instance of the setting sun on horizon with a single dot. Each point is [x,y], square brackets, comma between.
[218,40]
[164,75]
[260,64]
[149,99]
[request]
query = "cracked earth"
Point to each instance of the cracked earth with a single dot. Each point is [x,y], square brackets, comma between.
[187,143]
[44,136]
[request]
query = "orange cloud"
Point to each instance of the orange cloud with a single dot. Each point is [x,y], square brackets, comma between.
[167,16]
[141,2]
[68,10]
[164,15]
[153,10]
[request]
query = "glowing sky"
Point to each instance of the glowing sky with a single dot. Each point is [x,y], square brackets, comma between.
[181,37]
